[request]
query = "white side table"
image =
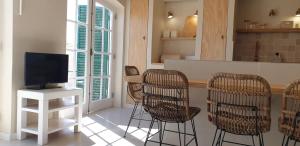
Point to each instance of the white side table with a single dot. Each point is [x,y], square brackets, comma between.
[45,126]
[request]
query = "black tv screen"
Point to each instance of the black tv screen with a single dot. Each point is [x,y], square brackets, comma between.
[42,68]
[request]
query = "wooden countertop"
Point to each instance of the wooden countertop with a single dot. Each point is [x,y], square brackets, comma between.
[276,89]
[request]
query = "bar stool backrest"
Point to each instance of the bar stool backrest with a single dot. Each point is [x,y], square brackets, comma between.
[134,89]
[166,94]
[244,97]
[290,112]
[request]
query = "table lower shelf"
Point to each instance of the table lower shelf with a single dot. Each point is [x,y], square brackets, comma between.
[54,125]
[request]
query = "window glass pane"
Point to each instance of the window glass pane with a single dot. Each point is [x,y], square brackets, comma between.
[106,41]
[105,65]
[80,83]
[71,36]
[98,40]
[72,64]
[99,15]
[82,37]
[81,60]
[71,10]
[82,13]
[97,65]
[107,21]
[96,89]
[104,88]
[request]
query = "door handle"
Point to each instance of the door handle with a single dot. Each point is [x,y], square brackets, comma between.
[144,37]
[222,37]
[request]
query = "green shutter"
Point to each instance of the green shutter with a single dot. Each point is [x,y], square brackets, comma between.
[104,88]
[98,40]
[97,65]
[96,89]
[99,16]
[81,37]
[106,41]
[82,13]
[80,64]
[107,19]
[105,65]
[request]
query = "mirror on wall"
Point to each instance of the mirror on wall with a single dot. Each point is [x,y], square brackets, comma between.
[267,31]
[174,26]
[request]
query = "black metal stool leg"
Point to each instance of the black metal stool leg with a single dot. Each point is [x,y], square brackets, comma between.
[253,142]
[283,140]
[184,131]
[149,131]
[132,115]
[215,136]
[179,133]
[287,141]
[223,138]
[163,132]
[141,116]
[219,138]
[262,139]
[194,130]
[295,143]
[160,132]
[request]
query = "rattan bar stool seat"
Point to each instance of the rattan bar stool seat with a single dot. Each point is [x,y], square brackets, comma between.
[173,115]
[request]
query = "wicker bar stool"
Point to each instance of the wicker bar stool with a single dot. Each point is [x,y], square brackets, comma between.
[289,121]
[134,90]
[239,104]
[166,99]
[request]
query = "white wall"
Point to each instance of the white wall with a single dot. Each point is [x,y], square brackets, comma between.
[180,10]
[258,10]
[41,28]
[1,43]
[182,47]
[6,60]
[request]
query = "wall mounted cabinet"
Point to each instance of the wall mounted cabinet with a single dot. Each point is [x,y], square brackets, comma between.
[137,52]
[214,36]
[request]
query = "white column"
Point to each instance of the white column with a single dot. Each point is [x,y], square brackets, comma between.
[21,118]
[78,112]
[43,121]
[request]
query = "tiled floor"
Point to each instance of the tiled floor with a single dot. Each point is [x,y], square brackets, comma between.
[107,127]
[102,128]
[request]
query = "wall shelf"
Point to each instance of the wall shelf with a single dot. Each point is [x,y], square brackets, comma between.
[52,108]
[53,126]
[178,38]
[270,30]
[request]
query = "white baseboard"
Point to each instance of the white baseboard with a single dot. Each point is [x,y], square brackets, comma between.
[8,136]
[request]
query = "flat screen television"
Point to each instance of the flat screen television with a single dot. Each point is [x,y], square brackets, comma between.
[43,68]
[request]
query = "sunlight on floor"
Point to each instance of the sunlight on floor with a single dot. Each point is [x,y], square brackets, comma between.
[138,133]
[102,136]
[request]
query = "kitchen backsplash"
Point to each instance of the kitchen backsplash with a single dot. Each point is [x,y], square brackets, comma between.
[267,47]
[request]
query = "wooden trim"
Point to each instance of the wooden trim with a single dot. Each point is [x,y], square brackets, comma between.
[270,30]
[276,89]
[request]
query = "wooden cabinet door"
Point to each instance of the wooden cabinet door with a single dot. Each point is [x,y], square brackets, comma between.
[137,53]
[215,14]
